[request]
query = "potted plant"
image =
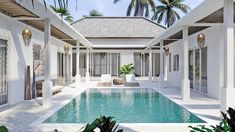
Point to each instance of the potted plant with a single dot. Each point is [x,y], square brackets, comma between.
[127,72]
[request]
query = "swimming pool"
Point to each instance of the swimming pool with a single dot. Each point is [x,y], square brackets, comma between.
[142,105]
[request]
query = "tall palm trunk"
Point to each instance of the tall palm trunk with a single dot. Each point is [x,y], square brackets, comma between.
[139,9]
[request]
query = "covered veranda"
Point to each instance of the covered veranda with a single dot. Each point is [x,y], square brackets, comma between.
[221,14]
[43,19]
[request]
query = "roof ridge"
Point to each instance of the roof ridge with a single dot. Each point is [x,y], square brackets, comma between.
[117,17]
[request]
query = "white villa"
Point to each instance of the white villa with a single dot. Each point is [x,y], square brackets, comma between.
[82,52]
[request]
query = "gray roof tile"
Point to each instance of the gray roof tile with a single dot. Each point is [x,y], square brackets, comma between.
[118,27]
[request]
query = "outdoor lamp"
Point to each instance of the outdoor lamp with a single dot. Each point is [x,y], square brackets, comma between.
[66,49]
[201,40]
[167,50]
[27,35]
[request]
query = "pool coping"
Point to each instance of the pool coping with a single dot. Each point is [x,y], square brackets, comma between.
[40,121]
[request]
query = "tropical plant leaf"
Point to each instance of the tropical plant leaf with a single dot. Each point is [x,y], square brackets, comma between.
[140,7]
[3,129]
[167,9]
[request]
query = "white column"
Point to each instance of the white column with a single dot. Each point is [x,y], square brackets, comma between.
[166,67]
[78,76]
[47,84]
[161,77]
[150,65]
[228,92]
[185,88]
[87,67]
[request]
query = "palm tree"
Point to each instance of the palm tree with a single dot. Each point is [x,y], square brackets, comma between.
[63,12]
[140,7]
[60,7]
[168,11]
[95,13]
[61,3]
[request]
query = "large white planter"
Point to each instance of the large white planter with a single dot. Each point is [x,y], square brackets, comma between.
[130,77]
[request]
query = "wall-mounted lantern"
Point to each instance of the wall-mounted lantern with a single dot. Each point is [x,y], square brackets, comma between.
[27,35]
[66,49]
[166,50]
[201,38]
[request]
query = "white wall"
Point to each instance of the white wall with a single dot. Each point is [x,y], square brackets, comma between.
[126,57]
[214,73]
[19,55]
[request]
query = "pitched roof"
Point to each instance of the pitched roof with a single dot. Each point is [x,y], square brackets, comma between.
[118,27]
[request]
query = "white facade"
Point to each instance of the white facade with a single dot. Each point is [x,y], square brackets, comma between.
[19,56]
[214,60]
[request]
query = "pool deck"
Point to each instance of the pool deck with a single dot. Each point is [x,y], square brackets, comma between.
[27,116]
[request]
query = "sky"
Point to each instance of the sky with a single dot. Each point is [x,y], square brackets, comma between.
[108,8]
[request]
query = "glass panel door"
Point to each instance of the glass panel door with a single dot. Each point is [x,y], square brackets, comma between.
[115,64]
[197,69]
[191,68]
[3,73]
[204,70]
[137,64]
[156,64]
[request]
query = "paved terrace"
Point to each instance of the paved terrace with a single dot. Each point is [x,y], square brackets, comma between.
[27,116]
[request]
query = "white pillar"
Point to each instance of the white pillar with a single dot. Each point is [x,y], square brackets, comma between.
[228,92]
[185,84]
[150,65]
[87,67]
[161,77]
[166,67]
[47,84]
[78,76]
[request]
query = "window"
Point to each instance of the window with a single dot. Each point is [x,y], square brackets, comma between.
[60,66]
[176,62]
[169,62]
[3,72]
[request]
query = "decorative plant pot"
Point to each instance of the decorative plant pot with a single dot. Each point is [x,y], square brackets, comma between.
[130,77]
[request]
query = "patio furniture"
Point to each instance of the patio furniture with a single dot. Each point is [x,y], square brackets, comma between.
[58,85]
[118,81]
[132,84]
[105,81]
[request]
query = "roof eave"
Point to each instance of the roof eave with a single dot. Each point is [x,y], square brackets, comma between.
[55,20]
[192,17]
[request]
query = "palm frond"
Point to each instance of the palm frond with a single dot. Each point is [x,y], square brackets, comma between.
[146,10]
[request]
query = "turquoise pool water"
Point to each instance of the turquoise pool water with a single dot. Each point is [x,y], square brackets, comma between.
[126,105]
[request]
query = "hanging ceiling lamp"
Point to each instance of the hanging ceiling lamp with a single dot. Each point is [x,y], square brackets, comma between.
[167,50]
[27,35]
[201,38]
[66,49]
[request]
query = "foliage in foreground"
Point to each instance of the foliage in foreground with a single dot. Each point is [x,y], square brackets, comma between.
[3,129]
[227,124]
[127,69]
[105,124]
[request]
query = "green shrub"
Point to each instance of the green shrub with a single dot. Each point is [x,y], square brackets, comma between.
[227,124]
[3,129]
[105,124]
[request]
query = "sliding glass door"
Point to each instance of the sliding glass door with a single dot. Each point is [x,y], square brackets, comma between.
[105,63]
[191,68]
[3,73]
[204,70]
[198,70]
[141,63]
